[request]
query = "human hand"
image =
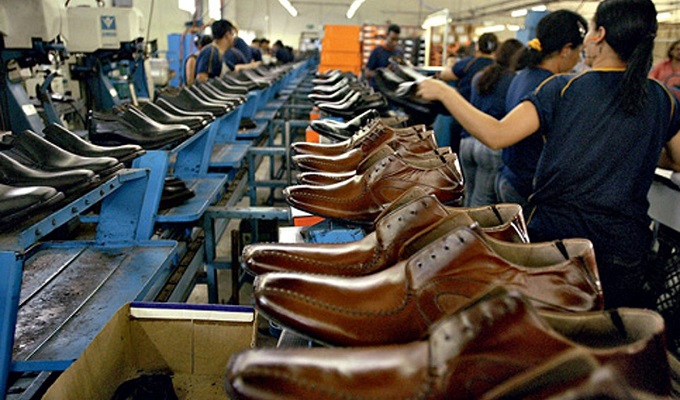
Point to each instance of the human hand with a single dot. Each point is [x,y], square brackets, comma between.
[431,89]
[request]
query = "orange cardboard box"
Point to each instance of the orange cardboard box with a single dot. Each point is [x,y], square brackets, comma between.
[344,44]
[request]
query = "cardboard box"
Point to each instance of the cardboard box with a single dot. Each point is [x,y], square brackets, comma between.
[343,44]
[193,342]
[350,59]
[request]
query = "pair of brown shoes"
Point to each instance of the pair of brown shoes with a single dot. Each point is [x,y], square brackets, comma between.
[497,347]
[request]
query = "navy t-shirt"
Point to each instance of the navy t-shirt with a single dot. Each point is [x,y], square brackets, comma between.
[466,69]
[257,54]
[209,61]
[520,159]
[233,57]
[380,58]
[282,55]
[492,103]
[242,46]
[598,162]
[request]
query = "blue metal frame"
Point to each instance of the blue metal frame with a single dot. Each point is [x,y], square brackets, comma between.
[120,211]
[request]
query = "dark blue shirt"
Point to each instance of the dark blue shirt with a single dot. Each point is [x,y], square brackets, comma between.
[491,103]
[380,58]
[242,46]
[209,61]
[598,162]
[282,55]
[257,54]
[233,57]
[520,159]
[465,70]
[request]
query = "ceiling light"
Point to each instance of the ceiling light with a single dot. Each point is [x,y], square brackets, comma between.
[539,8]
[353,8]
[489,29]
[513,28]
[438,18]
[664,16]
[519,13]
[289,7]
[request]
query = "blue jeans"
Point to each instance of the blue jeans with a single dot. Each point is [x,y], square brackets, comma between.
[508,194]
[447,132]
[480,167]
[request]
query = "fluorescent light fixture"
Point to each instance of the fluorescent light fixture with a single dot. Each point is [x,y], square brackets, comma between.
[664,16]
[188,5]
[539,8]
[289,7]
[438,18]
[489,29]
[519,13]
[353,8]
[513,28]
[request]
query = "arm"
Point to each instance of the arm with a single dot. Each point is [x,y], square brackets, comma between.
[670,155]
[190,70]
[447,72]
[518,124]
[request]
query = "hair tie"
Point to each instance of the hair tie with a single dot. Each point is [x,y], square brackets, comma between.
[535,44]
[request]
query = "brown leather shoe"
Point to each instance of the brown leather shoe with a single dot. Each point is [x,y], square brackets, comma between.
[363,197]
[317,178]
[366,155]
[382,248]
[397,304]
[464,356]
[374,131]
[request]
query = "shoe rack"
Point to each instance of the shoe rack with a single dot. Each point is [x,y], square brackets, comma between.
[410,41]
[56,295]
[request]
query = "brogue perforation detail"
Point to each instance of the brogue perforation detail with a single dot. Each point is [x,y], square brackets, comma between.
[328,198]
[326,264]
[342,310]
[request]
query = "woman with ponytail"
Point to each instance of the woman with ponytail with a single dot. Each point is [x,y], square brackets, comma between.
[480,164]
[605,131]
[558,34]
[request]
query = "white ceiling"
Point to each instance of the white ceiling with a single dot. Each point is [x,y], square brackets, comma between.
[413,12]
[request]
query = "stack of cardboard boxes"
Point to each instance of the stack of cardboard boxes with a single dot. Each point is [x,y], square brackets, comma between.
[341,48]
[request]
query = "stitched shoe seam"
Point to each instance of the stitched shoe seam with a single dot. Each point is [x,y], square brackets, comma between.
[342,310]
[356,266]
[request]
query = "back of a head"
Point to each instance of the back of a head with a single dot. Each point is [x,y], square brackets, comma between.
[554,31]
[630,28]
[204,40]
[492,74]
[488,43]
[221,27]
[394,28]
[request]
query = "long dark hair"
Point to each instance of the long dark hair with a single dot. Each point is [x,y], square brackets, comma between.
[554,31]
[630,27]
[490,75]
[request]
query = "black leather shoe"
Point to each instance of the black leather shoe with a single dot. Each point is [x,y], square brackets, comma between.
[13,173]
[106,130]
[232,80]
[150,127]
[401,93]
[158,114]
[247,74]
[17,203]
[342,131]
[214,93]
[174,110]
[33,151]
[186,100]
[356,105]
[227,88]
[69,141]
[208,98]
